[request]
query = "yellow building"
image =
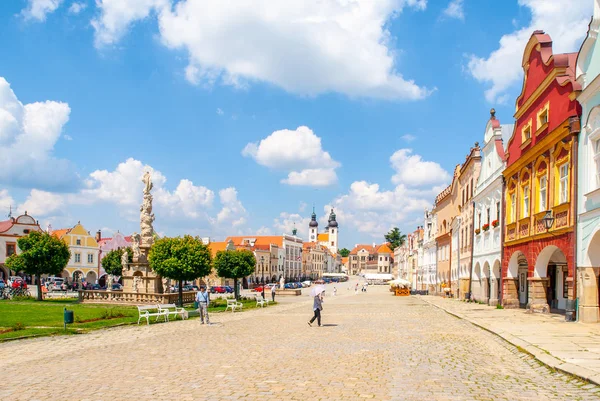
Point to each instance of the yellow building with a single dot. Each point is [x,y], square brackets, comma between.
[83,264]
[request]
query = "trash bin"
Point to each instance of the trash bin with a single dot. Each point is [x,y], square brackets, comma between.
[570,315]
[68,316]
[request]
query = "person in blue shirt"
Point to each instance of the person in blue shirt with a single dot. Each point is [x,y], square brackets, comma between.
[203,301]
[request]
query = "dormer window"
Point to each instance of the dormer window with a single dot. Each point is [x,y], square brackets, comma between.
[526,133]
[542,118]
[26,231]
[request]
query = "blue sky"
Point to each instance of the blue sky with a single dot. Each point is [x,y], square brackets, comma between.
[249,115]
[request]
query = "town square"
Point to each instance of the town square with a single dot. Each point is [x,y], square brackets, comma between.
[300,200]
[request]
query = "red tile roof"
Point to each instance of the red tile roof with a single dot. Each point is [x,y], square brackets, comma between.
[6,225]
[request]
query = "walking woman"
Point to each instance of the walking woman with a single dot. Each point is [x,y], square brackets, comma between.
[317,308]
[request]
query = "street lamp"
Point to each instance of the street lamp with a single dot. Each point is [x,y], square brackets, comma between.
[548,220]
[262,264]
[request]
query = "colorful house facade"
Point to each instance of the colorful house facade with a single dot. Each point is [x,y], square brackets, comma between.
[117,241]
[487,245]
[10,231]
[540,176]
[462,225]
[83,264]
[588,199]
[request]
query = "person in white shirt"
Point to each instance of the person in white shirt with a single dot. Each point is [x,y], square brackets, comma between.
[203,301]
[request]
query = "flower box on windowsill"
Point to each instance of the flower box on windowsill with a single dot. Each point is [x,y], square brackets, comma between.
[477,231]
[495,223]
[485,227]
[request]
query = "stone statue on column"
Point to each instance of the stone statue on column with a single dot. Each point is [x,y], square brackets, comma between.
[146,215]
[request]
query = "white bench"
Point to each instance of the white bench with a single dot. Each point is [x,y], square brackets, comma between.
[146,312]
[261,301]
[233,305]
[172,309]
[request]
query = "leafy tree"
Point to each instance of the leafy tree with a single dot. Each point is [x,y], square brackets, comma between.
[111,262]
[41,253]
[395,238]
[344,252]
[181,259]
[235,264]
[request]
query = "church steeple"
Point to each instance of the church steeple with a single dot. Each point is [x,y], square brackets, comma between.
[332,222]
[313,219]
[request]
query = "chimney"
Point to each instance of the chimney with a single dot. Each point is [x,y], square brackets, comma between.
[98,235]
[49,228]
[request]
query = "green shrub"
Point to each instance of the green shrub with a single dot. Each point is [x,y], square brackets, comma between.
[18,326]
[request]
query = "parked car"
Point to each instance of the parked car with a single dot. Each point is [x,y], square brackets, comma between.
[97,287]
[188,287]
[289,286]
[319,282]
[117,287]
[218,290]
[229,289]
[2,284]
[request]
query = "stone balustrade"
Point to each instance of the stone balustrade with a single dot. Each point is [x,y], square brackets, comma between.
[134,298]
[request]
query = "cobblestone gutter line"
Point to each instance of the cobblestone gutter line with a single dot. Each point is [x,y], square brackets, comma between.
[539,354]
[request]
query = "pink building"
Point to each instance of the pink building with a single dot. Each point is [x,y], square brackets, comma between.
[106,245]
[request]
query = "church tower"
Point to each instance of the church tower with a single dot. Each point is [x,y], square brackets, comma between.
[332,229]
[313,227]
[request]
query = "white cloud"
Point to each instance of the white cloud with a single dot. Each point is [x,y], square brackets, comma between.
[233,212]
[188,199]
[42,203]
[302,206]
[116,16]
[220,111]
[297,151]
[124,186]
[455,9]
[285,223]
[371,210]
[412,170]
[307,48]
[28,134]
[67,137]
[566,24]
[318,177]
[408,138]
[38,9]
[77,7]
[6,202]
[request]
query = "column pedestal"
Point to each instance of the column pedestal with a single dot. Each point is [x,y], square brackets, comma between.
[588,294]
[538,301]
[510,298]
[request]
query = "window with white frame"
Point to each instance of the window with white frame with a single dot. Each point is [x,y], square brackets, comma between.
[564,183]
[596,149]
[542,194]
[90,258]
[77,258]
[526,201]
[513,207]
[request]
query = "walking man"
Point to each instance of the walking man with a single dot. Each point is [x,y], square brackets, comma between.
[273,291]
[317,308]
[203,301]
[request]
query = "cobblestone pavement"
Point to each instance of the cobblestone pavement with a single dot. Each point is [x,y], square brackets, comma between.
[372,346]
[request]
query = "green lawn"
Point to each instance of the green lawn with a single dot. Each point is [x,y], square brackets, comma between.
[27,318]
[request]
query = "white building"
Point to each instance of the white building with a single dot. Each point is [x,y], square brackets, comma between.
[588,196]
[10,231]
[487,248]
[429,265]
